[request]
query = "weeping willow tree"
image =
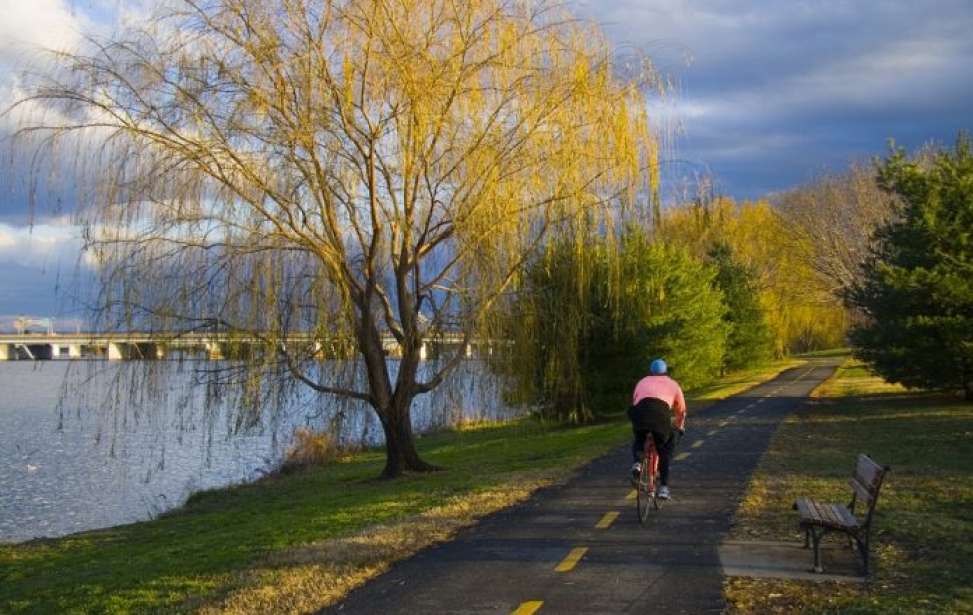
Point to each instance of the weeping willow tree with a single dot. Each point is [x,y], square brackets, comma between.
[304,178]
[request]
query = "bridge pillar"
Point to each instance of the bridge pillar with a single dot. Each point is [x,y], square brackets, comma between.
[115,351]
[74,351]
[7,352]
[468,350]
[423,352]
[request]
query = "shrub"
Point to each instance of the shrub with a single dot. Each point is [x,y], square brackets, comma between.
[310,448]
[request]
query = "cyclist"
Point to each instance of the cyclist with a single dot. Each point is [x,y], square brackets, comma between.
[657,403]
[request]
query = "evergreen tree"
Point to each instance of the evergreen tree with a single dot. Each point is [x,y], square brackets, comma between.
[749,340]
[917,291]
[666,304]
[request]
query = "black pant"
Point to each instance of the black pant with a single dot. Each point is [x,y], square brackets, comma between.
[653,416]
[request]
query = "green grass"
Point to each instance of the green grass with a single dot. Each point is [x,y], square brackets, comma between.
[924,519]
[228,539]
[828,353]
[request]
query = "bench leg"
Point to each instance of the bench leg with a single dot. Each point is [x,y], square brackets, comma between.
[863,550]
[807,538]
[816,541]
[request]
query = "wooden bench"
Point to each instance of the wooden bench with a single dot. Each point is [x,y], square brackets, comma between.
[817,518]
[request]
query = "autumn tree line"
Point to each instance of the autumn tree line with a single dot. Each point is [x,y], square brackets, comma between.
[877,256]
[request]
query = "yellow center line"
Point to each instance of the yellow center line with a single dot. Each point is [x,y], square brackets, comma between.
[697,444]
[528,608]
[607,520]
[569,562]
[680,456]
[631,495]
[804,374]
[711,432]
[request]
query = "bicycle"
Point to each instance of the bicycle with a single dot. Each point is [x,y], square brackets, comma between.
[646,496]
[645,488]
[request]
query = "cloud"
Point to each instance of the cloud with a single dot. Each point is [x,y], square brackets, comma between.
[27,29]
[38,24]
[767,93]
[56,243]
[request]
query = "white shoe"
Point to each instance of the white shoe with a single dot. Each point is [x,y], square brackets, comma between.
[636,472]
[663,492]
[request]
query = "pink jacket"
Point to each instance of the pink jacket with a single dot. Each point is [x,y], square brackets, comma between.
[666,389]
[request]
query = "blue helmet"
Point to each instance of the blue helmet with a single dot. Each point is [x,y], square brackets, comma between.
[658,367]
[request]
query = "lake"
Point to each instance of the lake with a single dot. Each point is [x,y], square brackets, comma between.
[74,455]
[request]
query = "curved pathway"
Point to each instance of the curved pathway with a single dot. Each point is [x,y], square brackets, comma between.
[579,548]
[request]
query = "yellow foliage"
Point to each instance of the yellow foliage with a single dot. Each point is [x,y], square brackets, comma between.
[801,310]
[310,448]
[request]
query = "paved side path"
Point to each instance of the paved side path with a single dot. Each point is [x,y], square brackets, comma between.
[579,548]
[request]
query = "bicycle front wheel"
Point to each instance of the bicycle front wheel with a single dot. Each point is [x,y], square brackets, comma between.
[644,498]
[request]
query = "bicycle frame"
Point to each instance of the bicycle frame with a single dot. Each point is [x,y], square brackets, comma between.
[650,457]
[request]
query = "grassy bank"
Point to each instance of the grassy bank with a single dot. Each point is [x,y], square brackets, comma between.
[296,542]
[921,534]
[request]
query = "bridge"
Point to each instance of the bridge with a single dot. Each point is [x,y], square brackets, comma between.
[50,346]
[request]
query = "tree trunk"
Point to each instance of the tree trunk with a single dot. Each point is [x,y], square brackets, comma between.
[968,389]
[400,448]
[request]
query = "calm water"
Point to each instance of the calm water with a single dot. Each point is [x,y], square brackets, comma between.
[86,464]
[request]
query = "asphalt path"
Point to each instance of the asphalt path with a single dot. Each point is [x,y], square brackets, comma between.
[579,548]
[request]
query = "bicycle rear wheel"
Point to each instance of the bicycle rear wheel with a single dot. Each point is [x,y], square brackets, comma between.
[657,501]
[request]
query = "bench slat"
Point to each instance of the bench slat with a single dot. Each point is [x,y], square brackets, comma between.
[803,507]
[836,518]
[823,511]
[864,496]
[829,515]
[808,509]
[820,512]
[847,517]
[867,472]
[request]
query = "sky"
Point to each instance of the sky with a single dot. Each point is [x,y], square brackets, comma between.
[764,95]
